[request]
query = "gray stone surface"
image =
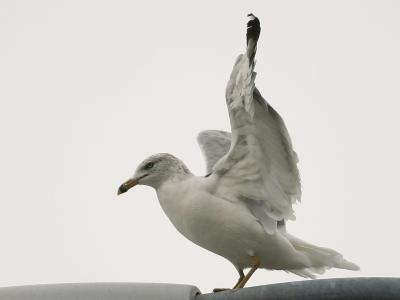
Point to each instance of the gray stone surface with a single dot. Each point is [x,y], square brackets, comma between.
[100,291]
[327,289]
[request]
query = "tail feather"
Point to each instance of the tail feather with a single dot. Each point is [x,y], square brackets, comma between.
[305,273]
[321,258]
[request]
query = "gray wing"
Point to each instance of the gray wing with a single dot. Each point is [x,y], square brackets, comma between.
[214,144]
[260,168]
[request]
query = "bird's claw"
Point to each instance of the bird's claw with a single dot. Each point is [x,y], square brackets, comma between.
[216,290]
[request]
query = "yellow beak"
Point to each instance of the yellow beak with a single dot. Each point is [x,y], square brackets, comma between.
[130,183]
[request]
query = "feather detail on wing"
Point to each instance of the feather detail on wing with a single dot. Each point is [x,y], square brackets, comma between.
[214,144]
[260,168]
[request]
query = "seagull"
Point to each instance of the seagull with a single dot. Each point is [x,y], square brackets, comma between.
[239,209]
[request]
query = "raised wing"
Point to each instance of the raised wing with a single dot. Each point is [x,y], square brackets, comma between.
[214,144]
[260,168]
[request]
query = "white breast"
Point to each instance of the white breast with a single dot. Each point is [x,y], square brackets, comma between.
[223,227]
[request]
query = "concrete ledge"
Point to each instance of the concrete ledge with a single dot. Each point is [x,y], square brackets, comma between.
[100,291]
[332,289]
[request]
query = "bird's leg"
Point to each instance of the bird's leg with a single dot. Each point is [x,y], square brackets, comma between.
[255,263]
[241,276]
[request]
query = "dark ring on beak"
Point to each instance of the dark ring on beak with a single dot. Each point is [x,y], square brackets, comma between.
[122,189]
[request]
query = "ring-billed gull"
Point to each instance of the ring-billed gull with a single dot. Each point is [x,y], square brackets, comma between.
[238,210]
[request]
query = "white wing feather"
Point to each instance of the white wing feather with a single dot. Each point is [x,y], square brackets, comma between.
[260,168]
[214,144]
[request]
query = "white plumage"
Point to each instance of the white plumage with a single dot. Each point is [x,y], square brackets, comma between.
[238,210]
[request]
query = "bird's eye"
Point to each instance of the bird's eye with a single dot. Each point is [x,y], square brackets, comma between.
[148,166]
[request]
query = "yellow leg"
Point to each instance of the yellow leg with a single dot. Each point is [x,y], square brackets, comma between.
[255,263]
[241,274]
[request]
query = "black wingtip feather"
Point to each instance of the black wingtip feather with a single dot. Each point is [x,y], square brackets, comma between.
[253,28]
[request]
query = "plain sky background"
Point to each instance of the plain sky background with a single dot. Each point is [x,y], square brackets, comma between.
[90,88]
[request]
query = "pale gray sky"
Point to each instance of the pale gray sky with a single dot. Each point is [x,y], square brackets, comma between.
[90,88]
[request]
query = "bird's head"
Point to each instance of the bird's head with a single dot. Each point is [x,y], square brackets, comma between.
[155,170]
